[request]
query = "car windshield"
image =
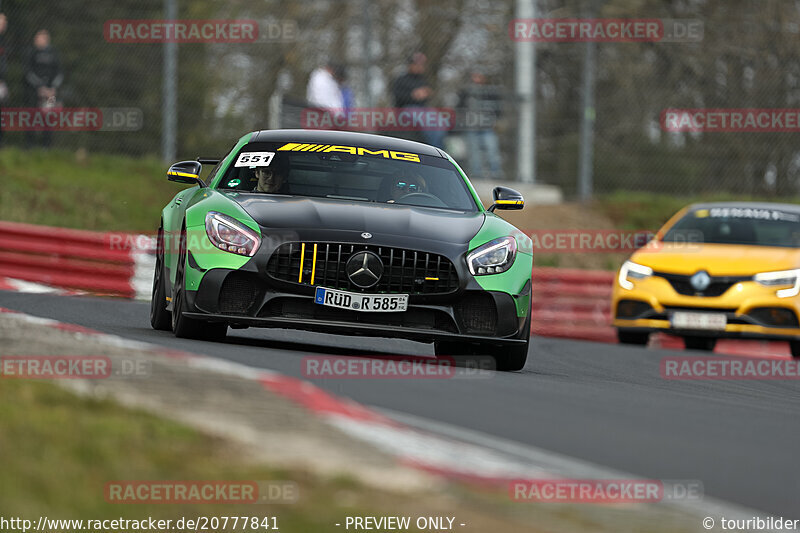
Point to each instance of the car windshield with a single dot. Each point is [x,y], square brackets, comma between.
[348,173]
[738,225]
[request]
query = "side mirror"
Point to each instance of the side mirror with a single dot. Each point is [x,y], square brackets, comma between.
[506,198]
[186,172]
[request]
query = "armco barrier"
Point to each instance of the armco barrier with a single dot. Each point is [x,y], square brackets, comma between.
[100,263]
[571,303]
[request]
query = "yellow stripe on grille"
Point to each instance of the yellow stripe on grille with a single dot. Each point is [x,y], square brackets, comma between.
[431,279]
[302,260]
[314,264]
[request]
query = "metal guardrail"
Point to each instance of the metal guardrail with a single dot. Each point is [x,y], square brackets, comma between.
[100,263]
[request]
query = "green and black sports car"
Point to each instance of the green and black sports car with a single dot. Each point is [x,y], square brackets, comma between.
[343,233]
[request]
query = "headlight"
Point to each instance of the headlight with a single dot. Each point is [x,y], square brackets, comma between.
[790,278]
[631,270]
[493,257]
[230,235]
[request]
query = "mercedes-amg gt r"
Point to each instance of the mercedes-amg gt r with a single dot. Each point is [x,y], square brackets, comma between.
[343,233]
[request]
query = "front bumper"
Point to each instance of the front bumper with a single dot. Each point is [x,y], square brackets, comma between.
[249,298]
[752,310]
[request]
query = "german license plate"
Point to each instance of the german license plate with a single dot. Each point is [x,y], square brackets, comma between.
[708,321]
[369,303]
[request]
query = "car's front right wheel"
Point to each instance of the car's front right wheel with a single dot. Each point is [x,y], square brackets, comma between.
[705,344]
[506,359]
[182,326]
[159,316]
[794,346]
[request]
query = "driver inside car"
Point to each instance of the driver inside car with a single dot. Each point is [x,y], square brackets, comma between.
[408,184]
[272,178]
[269,180]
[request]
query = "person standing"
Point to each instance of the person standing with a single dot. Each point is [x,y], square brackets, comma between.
[43,77]
[323,90]
[3,65]
[482,103]
[412,91]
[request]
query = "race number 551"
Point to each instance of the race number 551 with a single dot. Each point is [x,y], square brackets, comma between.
[254,159]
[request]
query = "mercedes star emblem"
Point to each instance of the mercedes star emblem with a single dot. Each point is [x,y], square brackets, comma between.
[364,269]
[366,235]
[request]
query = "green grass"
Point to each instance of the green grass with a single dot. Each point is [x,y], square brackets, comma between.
[61,450]
[86,191]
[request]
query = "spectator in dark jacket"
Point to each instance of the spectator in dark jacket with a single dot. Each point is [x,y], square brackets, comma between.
[412,90]
[43,77]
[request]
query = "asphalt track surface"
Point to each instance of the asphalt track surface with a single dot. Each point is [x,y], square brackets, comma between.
[602,403]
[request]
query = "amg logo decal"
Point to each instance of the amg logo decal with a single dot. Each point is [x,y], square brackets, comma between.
[355,150]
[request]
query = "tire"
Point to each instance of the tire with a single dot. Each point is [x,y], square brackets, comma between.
[506,359]
[638,338]
[512,359]
[184,327]
[159,316]
[794,346]
[705,344]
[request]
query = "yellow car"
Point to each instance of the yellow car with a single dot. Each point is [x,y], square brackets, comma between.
[716,270]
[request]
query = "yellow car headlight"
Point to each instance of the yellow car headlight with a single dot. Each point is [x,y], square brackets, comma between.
[786,278]
[631,270]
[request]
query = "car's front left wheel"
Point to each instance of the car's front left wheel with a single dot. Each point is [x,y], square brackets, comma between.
[637,338]
[506,358]
[182,326]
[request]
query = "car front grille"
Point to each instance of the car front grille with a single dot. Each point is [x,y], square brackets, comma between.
[323,264]
[718,286]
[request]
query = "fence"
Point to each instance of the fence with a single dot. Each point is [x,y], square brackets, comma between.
[227,87]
